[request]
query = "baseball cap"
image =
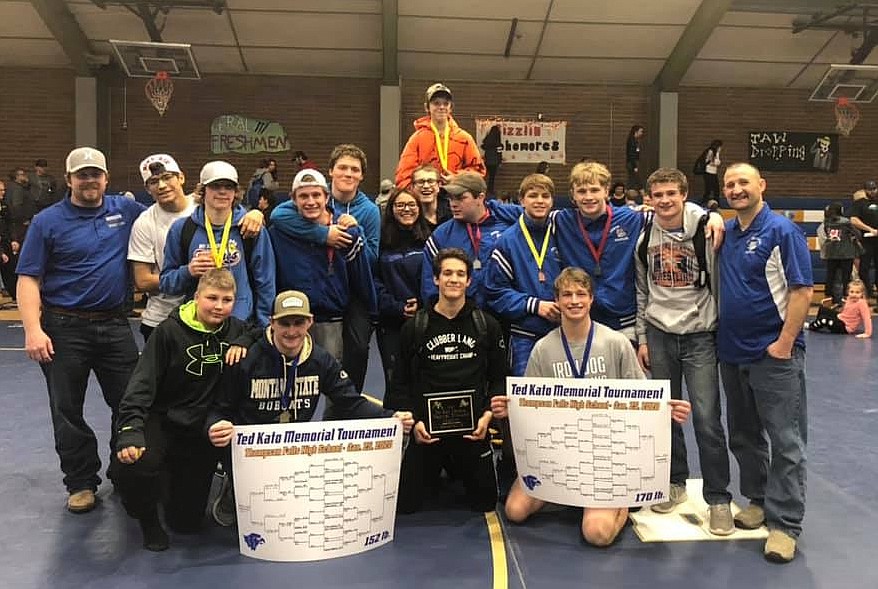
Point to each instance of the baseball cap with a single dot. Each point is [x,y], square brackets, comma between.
[291,303]
[437,88]
[870,185]
[466,182]
[386,187]
[85,157]
[168,164]
[218,170]
[309,177]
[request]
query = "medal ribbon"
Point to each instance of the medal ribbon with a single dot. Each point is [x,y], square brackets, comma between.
[475,237]
[217,253]
[330,251]
[539,258]
[442,145]
[596,253]
[585,354]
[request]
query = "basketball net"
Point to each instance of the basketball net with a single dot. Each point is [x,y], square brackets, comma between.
[846,116]
[159,91]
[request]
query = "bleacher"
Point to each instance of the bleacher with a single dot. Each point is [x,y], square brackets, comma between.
[807,213]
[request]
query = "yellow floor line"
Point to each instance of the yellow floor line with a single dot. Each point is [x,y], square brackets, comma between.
[498,551]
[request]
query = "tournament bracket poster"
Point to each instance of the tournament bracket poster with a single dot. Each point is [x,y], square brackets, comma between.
[316,490]
[592,442]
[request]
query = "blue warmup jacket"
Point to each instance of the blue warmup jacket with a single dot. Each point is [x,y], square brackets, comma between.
[453,233]
[512,284]
[175,278]
[362,208]
[305,266]
[398,278]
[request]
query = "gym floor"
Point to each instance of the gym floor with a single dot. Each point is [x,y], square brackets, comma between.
[446,545]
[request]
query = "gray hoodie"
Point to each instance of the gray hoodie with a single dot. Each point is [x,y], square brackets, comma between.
[667,297]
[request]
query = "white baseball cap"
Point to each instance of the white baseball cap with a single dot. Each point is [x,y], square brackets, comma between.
[218,170]
[85,157]
[309,177]
[168,164]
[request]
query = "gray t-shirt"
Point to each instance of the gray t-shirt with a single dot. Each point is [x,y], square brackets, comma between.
[611,356]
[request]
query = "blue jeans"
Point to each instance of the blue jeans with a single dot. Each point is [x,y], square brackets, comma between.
[693,356]
[768,397]
[83,345]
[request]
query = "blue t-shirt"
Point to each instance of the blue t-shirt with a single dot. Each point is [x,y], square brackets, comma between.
[80,255]
[758,267]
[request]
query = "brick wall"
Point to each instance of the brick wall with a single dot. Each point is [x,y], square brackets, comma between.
[36,118]
[317,114]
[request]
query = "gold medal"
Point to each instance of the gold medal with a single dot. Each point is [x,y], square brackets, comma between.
[285,417]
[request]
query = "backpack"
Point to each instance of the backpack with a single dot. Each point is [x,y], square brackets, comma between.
[698,241]
[257,184]
[700,166]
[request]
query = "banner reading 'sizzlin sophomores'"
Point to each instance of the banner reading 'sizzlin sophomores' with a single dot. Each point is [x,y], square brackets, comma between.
[312,491]
[525,141]
[591,442]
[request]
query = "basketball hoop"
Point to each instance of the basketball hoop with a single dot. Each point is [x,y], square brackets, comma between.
[846,116]
[159,91]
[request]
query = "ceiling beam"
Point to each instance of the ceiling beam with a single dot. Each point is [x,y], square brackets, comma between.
[148,17]
[697,32]
[66,30]
[390,42]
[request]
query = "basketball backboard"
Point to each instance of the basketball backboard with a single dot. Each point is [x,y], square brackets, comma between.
[144,59]
[857,83]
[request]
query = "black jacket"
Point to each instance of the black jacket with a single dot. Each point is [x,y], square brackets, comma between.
[177,374]
[252,391]
[450,356]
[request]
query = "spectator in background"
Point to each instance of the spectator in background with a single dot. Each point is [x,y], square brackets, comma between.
[43,185]
[839,245]
[617,195]
[384,191]
[439,140]
[266,205]
[848,319]
[8,248]
[632,156]
[301,161]
[404,231]
[542,168]
[492,145]
[864,216]
[264,178]
[22,206]
[712,163]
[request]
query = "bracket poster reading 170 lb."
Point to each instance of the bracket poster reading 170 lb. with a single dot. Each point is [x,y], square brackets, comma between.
[317,490]
[591,442]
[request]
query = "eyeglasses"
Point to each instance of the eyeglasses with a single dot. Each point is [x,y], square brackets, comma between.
[166,177]
[401,206]
[426,182]
[88,174]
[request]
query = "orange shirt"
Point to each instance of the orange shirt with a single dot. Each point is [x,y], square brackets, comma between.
[463,153]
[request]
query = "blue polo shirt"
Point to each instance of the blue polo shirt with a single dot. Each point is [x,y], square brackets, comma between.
[758,267]
[80,254]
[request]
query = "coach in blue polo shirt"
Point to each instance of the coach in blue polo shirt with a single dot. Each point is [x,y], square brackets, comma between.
[765,292]
[72,294]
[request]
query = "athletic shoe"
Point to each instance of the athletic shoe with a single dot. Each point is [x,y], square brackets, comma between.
[155,539]
[675,497]
[81,501]
[751,517]
[721,522]
[780,547]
